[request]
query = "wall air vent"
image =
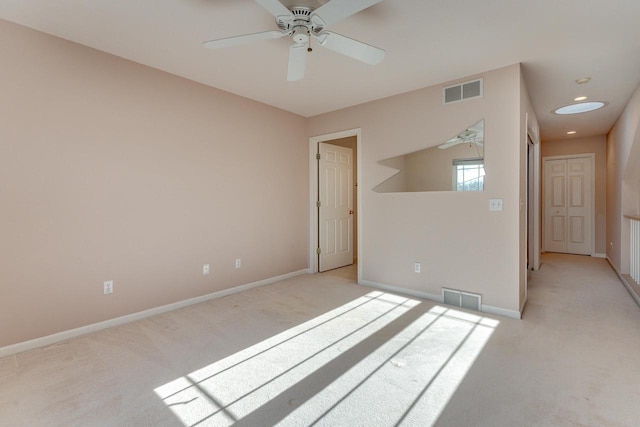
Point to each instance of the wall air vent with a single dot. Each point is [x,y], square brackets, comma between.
[462,91]
[462,299]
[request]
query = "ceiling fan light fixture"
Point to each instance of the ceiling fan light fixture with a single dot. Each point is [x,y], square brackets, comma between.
[581,107]
[580,98]
[300,35]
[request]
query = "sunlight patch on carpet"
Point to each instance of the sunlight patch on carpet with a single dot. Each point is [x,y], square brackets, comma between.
[381,359]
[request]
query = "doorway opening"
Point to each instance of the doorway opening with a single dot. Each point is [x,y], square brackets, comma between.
[334,202]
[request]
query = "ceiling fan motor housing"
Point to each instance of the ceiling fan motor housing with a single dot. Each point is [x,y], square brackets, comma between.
[300,24]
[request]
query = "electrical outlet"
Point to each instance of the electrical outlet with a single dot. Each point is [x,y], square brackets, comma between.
[107,287]
[495,204]
[416,267]
[238,263]
[205,269]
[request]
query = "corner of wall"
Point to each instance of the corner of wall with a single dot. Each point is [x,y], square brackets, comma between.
[623,175]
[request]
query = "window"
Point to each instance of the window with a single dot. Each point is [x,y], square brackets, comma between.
[468,175]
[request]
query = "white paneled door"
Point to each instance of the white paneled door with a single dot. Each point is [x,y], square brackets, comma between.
[335,180]
[568,207]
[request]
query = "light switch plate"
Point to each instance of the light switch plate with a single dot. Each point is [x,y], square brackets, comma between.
[107,287]
[495,204]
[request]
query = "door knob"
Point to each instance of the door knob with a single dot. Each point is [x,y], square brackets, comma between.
[350,211]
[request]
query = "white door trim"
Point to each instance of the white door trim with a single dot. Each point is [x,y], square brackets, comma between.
[313,195]
[536,205]
[591,156]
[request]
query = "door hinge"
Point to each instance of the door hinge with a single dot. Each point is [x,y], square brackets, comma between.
[318,156]
[318,203]
[318,251]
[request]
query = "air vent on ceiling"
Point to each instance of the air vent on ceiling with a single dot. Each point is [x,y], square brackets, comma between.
[462,91]
[462,299]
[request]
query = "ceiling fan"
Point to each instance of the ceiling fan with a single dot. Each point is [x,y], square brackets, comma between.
[469,136]
[303,22]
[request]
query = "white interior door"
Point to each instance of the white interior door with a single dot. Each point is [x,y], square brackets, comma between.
[568,205]
[335,211]
[555,215]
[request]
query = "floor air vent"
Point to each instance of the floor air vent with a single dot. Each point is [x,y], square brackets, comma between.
[462,299]
[462,91]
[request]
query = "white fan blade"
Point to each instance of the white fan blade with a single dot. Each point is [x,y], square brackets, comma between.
[337,10]
[450,143]
[297,61]
[357,50]
[247,38]
[455,141]
[275,8]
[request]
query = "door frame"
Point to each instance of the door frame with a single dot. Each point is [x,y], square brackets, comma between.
[591,156]
[313,195]
[533,201]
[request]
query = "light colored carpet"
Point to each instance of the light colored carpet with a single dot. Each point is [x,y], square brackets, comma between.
[321,350]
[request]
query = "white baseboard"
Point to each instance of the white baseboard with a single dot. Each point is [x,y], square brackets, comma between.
[72,333]
[438,298]
[398,290]
[505,312]
[596,255]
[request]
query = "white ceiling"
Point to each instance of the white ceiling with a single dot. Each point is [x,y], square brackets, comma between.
[428,42]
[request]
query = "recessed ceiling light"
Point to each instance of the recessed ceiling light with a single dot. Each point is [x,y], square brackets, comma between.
[580,98]
[583,80]
[571,132]
[581,107]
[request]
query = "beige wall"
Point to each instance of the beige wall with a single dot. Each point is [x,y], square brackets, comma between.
[112,170]
[598,146]
[623,178]
[460,243]
[397,181]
